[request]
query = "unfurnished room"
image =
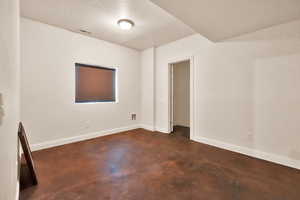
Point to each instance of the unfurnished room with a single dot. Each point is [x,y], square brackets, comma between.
[150,100]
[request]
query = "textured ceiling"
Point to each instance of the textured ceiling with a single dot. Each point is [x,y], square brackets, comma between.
[153,25]
[222,19]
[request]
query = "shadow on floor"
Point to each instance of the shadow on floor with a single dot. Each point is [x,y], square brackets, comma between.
[181,131]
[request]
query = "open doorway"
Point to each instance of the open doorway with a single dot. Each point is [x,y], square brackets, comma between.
[180,98]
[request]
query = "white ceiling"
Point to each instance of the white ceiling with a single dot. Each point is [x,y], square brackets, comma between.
[222,19]
[153,25]
[215,19]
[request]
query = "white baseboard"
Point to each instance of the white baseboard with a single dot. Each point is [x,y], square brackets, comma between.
[18,191]
[231,147]
[251,152]
[162,130]
[59,142]
[147,127]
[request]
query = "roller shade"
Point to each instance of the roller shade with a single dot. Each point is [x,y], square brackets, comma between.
[95,84]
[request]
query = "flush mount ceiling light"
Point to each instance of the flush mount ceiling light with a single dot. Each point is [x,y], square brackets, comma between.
[125,24]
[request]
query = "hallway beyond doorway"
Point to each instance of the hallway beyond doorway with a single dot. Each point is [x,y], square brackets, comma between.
[181,131]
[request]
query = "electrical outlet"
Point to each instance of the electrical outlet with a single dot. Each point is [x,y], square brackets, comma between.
[133,116]
[250,135]
[86,124]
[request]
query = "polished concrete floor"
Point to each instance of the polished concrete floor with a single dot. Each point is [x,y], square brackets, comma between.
[142,165]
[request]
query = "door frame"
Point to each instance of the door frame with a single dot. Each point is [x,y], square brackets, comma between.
[171,97]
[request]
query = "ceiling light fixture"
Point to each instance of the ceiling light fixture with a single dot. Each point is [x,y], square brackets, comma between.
[125,24]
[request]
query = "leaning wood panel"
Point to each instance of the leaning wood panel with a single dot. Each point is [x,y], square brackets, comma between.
[27,153]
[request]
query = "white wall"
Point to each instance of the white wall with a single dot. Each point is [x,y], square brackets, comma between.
[181,93]
[166,54]
[147,88]
[246,91]
[9,97]
[48,55]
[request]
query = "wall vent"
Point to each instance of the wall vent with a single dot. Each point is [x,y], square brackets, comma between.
[84,31]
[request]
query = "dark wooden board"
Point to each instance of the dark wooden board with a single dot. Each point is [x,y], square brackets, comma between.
[27,153]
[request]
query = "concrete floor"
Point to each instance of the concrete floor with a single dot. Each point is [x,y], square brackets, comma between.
[142,165]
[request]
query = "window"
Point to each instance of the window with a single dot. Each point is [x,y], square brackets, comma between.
[95,84]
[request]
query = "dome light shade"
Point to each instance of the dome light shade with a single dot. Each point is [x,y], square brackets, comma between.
[125,24]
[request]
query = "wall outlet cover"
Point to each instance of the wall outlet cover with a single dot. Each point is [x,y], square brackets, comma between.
[133,116]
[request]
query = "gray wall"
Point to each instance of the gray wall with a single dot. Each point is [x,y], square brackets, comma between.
[181,72]
[9,97]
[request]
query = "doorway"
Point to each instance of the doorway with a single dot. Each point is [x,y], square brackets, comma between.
[180,98]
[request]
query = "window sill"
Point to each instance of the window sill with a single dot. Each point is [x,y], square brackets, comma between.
[96,102]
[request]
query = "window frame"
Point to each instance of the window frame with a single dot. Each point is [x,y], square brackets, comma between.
[115,83]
